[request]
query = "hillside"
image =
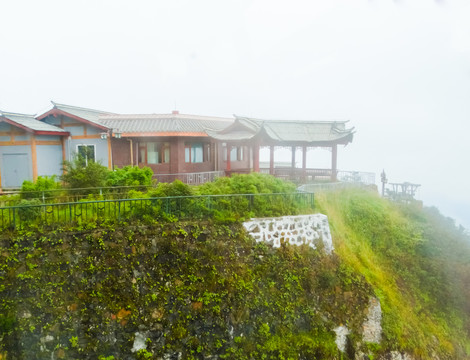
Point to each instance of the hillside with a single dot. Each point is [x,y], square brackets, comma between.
[206,290]
[418,264]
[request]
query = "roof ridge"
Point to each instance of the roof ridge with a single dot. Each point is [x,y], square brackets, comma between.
[81,108]
[13,113]
[171,116]
[291,120]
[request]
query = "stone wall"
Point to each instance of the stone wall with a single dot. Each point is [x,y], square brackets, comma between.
[294,230]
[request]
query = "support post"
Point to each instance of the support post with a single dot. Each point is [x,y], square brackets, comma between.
[334,156]
[304,164]
[292,176]
[271,160]
[110,152]
[62,142]
[228,168]
[256,158]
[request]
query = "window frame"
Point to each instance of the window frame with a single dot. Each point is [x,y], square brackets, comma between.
[161,148]
[86,155]
[190,150]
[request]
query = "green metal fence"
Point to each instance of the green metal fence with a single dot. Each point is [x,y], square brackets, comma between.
[180,207]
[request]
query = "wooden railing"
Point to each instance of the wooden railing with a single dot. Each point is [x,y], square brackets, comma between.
[190,178]
[310,175]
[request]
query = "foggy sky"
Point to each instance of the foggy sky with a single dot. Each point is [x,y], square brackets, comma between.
[398,70]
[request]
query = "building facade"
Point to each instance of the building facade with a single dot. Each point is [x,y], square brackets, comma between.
[191,148]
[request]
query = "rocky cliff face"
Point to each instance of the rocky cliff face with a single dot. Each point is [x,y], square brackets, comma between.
[192,290]
[172,291]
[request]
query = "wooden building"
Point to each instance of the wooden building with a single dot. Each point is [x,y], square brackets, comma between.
[191,148]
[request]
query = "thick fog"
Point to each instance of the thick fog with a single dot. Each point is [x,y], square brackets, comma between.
[398,70]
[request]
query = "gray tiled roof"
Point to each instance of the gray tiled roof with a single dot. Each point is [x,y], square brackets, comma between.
[292,131]
[84,113]
[164,123]
[28,121]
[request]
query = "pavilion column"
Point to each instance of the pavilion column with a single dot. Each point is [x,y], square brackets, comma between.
[228,168]
[334,156]
[271,160]
[293,163]
[304,164]
[256,158]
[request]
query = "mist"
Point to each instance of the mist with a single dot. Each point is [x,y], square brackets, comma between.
[398,70]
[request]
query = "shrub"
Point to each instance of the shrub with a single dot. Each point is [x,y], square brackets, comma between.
[29,211]
[254,183]
[79,173]
[31,190]
[176,188]
[130,176]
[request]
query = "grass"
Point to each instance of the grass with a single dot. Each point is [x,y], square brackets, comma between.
[381,241]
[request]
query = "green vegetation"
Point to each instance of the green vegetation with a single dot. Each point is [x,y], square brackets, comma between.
[41,187]
[83,173]
[194,288]
[417,262]
[245,196]
[130,176]
[194,283]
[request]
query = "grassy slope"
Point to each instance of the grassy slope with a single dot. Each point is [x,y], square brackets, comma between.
[417,263]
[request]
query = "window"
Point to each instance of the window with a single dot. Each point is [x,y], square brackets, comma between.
[193,153]
[233,153]
[154,152]
[87,152]
[236,153]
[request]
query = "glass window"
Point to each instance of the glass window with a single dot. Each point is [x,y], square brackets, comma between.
[87,152]
[154,152]
[240,153]
[233,153]
[193,153]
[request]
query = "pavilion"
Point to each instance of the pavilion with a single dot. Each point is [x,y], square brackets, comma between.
[254,133]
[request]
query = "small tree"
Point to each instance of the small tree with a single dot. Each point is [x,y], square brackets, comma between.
[41,187]
[130,176]
[84,173]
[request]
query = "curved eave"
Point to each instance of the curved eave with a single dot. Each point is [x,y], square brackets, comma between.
[231,137]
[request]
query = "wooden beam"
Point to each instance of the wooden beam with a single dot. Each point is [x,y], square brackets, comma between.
[94,136]
[48,142]
[110,153]
[15,143]
[63,149]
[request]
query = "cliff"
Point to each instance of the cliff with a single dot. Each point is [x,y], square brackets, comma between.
[393,287]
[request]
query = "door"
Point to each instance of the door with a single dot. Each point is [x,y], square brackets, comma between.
[15,169]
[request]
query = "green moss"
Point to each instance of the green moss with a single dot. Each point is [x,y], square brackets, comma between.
[408,257]
[194,287]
